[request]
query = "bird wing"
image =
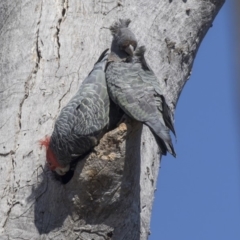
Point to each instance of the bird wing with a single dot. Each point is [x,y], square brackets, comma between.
[83,119]
[128,90]
[148,76]
[135,91]
[88,111]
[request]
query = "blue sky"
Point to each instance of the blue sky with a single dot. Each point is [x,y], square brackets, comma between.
[198,194]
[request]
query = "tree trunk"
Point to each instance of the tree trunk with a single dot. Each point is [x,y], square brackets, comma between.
[46,49]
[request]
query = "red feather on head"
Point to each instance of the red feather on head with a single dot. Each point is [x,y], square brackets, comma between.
[45,142]
[51,158]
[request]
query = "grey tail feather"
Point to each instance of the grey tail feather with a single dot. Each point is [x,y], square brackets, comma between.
[122,23]
[102,56]
[163,138]
[167,116]
[99,60]
[164,146]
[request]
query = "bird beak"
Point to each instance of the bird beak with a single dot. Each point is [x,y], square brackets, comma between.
[62,171]
[130,50]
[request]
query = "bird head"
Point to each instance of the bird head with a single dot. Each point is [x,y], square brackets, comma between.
[51,158]
[124,41]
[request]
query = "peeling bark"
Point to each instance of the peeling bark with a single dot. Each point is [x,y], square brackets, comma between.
[46,49]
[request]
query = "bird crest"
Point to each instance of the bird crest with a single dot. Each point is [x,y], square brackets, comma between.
[51,158]
[45,142]
[122,23]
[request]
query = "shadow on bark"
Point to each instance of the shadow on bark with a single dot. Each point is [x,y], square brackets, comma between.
[102,192]
[50,203]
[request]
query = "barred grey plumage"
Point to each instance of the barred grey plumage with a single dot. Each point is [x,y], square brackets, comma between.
[133,86]
[82,121]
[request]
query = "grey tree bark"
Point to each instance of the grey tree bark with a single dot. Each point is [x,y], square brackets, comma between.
[46,49]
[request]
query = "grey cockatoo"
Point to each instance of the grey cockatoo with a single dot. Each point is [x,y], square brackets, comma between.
[133,86]
[81,122]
